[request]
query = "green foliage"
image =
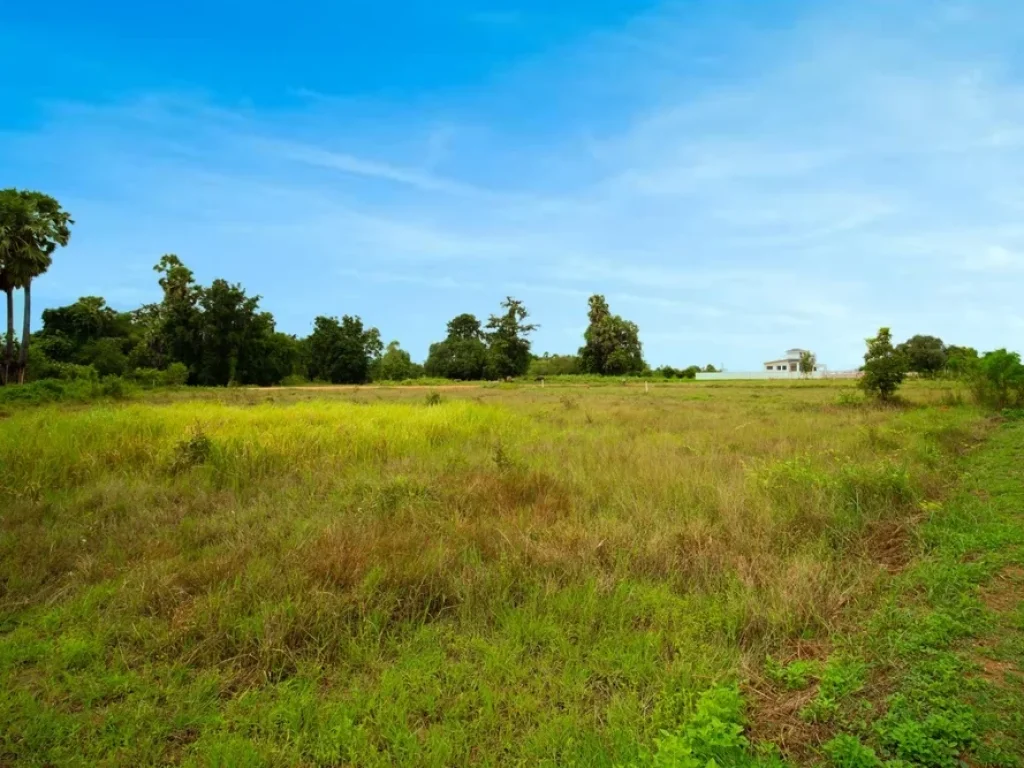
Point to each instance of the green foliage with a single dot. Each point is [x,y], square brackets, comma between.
[711,734]
[508,349]
[925,355]
[394,365]
[961,361]
[998,379]
[176,375]
[433,398]
[612,345]
[668,372]
[192,451]
[32,227]
[846,751]
[885,367]
[808,362]
[840,679]
[794,676]
[341,352]
[462,356]
[554,365]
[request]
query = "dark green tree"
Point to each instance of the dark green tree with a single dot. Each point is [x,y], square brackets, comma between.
[465,326]
[508,349]
[885,367]
[177,334]
[925,355]
[462,355]
[32,227]
[231,335]
[342,351]
[612,345]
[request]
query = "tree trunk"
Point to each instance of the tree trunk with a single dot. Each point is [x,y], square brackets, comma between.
[26,329]
[5,370]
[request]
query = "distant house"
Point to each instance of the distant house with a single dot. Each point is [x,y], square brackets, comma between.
[789,364]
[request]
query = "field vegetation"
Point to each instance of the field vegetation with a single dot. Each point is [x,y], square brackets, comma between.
[511,575]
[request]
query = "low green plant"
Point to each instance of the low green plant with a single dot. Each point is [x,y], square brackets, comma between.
[846,751]
[794,676]
[711,734]
[192,451]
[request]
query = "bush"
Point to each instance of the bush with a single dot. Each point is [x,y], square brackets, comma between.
[112,386]
[294,380]
[999,380]
[146,377]
[176,375]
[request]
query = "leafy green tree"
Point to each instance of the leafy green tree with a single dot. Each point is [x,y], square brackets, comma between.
[925,355]
[342,351]
[612,345]
[885,367]
[465,326]
[709,368]
[230,329]
[462,355]
[106,355]
[508,349]
[808,362]
[961,361]
[394,365]
[32,227]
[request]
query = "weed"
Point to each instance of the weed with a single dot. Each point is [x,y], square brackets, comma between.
[846,751]
[433,398]
[194,450]
[794,676]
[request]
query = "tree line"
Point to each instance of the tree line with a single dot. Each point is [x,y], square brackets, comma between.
[217,334]
[996,377]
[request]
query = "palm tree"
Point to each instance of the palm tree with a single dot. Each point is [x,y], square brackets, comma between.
[32,225]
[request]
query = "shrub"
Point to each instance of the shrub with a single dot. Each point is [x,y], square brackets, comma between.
[999,380]
[176,375]
[294,380]
[112,386]
[433,398]
[195,449]
[885,367]
[147,377]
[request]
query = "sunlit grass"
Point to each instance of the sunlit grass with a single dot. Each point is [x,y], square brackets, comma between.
[509,576]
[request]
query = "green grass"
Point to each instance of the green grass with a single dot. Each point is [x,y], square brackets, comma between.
[934,676]
[509,576]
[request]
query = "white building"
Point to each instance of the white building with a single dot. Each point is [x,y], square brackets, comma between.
[788,364]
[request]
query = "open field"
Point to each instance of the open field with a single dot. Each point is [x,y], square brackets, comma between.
[510,576]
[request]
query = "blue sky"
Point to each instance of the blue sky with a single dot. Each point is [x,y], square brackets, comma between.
[736,177]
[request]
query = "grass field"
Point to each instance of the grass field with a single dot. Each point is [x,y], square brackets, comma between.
[566,576]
